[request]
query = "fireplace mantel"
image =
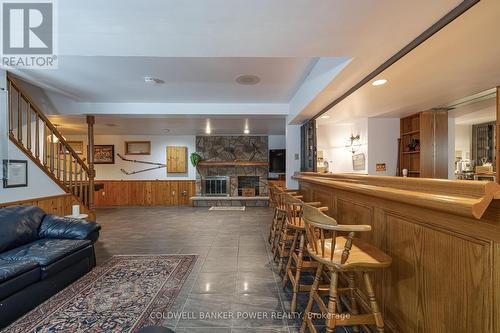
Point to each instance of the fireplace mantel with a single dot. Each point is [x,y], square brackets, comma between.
[233,164]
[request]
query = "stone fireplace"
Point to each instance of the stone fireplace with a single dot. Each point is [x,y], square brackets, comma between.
[242,159]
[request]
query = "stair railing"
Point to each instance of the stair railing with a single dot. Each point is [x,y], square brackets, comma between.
[32,132]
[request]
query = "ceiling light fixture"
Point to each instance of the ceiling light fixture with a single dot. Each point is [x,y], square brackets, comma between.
[153,80]
[325,117]
[208,130]
[379,82]
[247,80]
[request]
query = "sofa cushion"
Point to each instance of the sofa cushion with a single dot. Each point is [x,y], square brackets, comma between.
[16,275]
[12,268]
[45,251]
[19,226]
[68,228]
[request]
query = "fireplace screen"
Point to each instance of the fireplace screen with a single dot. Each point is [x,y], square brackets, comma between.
[216,186]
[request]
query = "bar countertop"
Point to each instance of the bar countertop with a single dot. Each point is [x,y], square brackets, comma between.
[465,198]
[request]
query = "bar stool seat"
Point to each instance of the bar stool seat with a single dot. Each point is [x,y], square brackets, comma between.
[362,254]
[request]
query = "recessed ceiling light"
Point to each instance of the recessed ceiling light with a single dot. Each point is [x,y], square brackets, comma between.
[247,80]
[153,80]
[379,82]
[166,130]
[325,117]
[246,131]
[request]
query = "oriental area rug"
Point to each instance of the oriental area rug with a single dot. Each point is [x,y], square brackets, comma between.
[121,295]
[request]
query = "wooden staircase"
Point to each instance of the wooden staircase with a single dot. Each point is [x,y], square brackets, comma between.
[33,133]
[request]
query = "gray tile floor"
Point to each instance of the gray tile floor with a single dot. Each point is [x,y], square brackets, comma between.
[234,278]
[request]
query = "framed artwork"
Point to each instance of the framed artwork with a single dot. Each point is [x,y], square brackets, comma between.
[137,147]
[76,145]
[15,173]
[104,154]
[358,162]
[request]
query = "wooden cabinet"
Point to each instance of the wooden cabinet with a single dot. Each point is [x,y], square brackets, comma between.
[424,144]
[177,159]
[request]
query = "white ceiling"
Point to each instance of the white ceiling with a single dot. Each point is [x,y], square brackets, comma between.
[121,79]
[461,60]
[176,125]
[198,47]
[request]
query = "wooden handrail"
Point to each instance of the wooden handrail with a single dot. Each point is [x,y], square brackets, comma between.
[51,152]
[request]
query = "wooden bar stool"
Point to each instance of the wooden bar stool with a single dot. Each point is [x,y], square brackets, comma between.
[279,239]
[298,259]
[346,255]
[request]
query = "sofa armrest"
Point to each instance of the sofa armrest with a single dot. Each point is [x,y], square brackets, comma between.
[68,228]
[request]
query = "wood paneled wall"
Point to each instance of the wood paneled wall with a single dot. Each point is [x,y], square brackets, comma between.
[445,274]
[144,192]
[58,205]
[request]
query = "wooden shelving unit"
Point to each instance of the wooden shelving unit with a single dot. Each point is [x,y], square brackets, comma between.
[410,160]
[429,159]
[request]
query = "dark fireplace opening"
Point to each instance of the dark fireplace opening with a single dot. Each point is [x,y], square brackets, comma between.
[248,186]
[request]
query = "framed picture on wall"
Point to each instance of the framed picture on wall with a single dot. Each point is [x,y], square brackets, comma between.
[76,145]
[104,154]
[15,173]
[358,162]
[137,147]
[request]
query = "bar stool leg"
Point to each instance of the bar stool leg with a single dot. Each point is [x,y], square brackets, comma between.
[289,263]
[277,234]
[282,248]
[273,223]
[379,321]
[298,269]
[354,304]
[314,289]
[332,303]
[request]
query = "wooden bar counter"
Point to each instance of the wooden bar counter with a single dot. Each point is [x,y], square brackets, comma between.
[443,237]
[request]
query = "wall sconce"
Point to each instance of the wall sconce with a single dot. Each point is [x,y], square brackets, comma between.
[353,143]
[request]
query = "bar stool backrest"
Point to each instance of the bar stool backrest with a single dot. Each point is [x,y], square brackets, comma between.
[272,195]
[293,208]
[322,232]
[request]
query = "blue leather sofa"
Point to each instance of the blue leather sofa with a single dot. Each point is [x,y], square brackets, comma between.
[40,254]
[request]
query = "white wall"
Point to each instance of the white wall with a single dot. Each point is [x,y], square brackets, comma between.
[277,142]
[332,139]
[159,145]
[292,152]
[463,140]
[39,184]
[379,143]
[383,134]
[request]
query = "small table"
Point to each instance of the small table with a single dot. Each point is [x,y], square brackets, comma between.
[81,216]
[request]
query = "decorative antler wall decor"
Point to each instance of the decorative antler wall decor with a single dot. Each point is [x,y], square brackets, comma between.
[157,165]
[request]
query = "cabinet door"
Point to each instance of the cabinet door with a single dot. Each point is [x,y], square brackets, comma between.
[176,159]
